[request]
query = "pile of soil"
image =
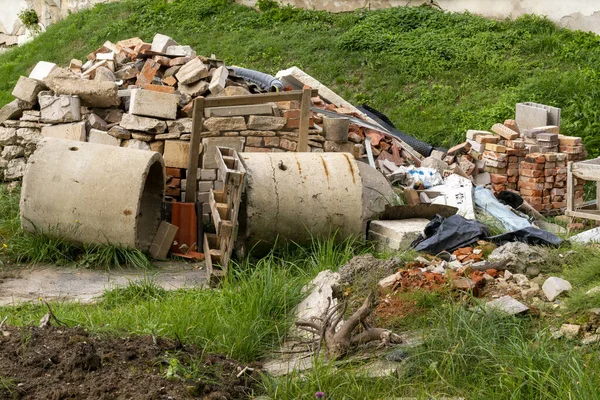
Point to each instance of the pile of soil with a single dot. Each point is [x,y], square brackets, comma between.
[68,363]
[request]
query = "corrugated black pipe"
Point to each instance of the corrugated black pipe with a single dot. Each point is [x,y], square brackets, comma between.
[264,81]
[421,147]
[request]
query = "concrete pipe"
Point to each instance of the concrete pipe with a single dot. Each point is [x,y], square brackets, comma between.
[297,196]
[93,193]
[336,129]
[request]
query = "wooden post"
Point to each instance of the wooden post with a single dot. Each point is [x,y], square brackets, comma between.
[194,154]
[304,120]
[570,191]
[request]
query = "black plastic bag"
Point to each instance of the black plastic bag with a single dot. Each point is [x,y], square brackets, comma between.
[450,234]
[530,235]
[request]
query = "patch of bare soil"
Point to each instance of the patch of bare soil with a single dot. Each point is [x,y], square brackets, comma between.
[68,363]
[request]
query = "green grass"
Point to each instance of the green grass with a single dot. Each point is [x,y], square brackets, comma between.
[465,354]
[435,74]
[247,316]
[19,246]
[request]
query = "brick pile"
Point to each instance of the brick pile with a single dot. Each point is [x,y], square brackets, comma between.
[543,181]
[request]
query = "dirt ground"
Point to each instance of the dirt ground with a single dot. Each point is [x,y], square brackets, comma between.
[68,363]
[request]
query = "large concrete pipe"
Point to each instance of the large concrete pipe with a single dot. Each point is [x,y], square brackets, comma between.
[93,193]
[298,196]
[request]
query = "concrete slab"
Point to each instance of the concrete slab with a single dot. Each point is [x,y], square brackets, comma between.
[396,235]
[529,117]
[86,285]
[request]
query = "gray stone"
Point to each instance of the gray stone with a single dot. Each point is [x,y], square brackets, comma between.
[167,136]
[182,125]
[119,133]
[518,256]
[233,91]
[104,74]
[59,109]
[207,174]
[101,137]
[31,116]
[508,305]
[219,78]
[29,136]
[10,152]
[96,122]
[144,137]
[431,162]
[110,115]
[15,169]
[554,286]
[27,89]
[135,144]
[75,131]
[396,235]
[160,43]
[570,331]
[331,146]
[258,133]
[8,136]
[92,93]
[591,339]
[12,110]
[153,104]
[210,144]
[220,124]
[266,123]
[144,124]
[194,89]
[234,111]
[192,72]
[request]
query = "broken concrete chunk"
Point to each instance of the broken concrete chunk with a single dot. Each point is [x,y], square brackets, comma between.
[180,51]
[145,124]
[27,89]
[135,144]
[396,235]
[192,71]
[101,137]
[29,136]
[159,249]
[219,78]
[570,331]
[194,89]
[221,124]
[74,131]
[119,133]
[15,169]
[519,257]
[266,123]
[153,104]
[12,110]
[508,305]
[554,286]
[104,74]
[59,109]
[92,93]
[182,125]
[8,136]
[431,162]
[161,42]
[10,152]
[96,122]
[41,70]
[233,91]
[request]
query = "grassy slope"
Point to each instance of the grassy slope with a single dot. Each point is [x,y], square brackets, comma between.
[434,74]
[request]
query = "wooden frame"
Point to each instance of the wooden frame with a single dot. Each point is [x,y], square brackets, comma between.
[200,103]
[588,170]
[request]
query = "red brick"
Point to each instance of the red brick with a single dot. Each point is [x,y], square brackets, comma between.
[513,179]
[271,141]
[512,171]
[505,132]
[531,192]
[158,88]
[250,149]
[533,199]
[530,185]
[531,173]
[294,123]
[536,158]
[148,72]
[288,145]
[288,105]
[530,166]
[174,172]
[461,148]
[291,113]
[498,187]
[255,141]
[549,172]
[487,139]
[501,179]
[513,159]
[511,124]
[559,204]
[554,199]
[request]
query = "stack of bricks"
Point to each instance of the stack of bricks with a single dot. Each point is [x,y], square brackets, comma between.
[572,146]
[543,181]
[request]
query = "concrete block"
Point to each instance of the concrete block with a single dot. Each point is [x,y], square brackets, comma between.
[153,104]
[207,174]
[194,89]
[396,235]
[192,72]
[554,286]
[75,131]
[553,112]
[529,117]
[27,89]
[234,111]
[161,42]
[159,249]
[101,137]
[177,153]
[92,93]
[42,69]
[220,124]
[266,123]
[210,144]
[59,109]
[205,186]
[144,124]
[219,78]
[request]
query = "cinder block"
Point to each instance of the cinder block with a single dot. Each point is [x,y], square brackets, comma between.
[529,116]
[210,144]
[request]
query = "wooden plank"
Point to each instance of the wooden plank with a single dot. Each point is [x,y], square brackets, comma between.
[586,171]
[194,155]
[255,98]
[304,121]
[207,258]
[219,212]
[586,215]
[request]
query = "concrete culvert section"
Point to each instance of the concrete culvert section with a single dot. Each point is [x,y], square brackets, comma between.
[298,196]
[93,193]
